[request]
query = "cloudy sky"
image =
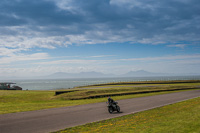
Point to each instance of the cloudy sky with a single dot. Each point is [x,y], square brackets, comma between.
[110,36]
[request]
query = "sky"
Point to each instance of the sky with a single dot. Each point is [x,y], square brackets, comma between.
[42,37]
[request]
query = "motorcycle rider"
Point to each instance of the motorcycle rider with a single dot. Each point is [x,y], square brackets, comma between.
[111,101]
[112,105]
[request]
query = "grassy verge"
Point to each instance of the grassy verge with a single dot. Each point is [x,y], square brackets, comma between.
[18,101]
[144,83]
[119,91]
[183,117]
[128,88]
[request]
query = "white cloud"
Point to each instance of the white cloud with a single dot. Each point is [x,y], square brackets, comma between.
[100,56]
[182,46]
[23,57]
[8,52]
[26,43]
[75,61]
[176,57]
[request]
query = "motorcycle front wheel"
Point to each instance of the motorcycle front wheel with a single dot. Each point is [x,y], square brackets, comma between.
[118,109]
[110,110]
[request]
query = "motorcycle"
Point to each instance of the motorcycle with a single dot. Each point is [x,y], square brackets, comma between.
[113,107]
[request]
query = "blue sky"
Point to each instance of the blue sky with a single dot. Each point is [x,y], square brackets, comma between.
[110,36]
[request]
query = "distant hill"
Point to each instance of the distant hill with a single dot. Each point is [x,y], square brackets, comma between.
[142,73]
[93,74]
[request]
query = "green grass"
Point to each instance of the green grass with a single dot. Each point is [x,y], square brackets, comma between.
[118,89]
[20,101]
[183,117]
[143,83]
[17,101]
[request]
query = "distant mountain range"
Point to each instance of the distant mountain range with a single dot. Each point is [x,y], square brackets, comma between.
[80,75]
[93,74]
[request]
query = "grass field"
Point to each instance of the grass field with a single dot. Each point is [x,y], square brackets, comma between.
[183,117]
[116,90]
[18,101]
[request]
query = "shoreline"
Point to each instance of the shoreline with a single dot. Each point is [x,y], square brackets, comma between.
[56,84]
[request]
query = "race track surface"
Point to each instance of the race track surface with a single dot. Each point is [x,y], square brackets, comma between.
[50,120]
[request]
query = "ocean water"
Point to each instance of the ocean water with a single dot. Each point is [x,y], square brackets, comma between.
[53,84]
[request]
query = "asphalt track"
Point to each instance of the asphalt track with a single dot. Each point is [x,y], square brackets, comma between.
[50,120]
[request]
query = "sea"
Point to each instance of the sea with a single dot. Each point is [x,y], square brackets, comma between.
[54,84]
